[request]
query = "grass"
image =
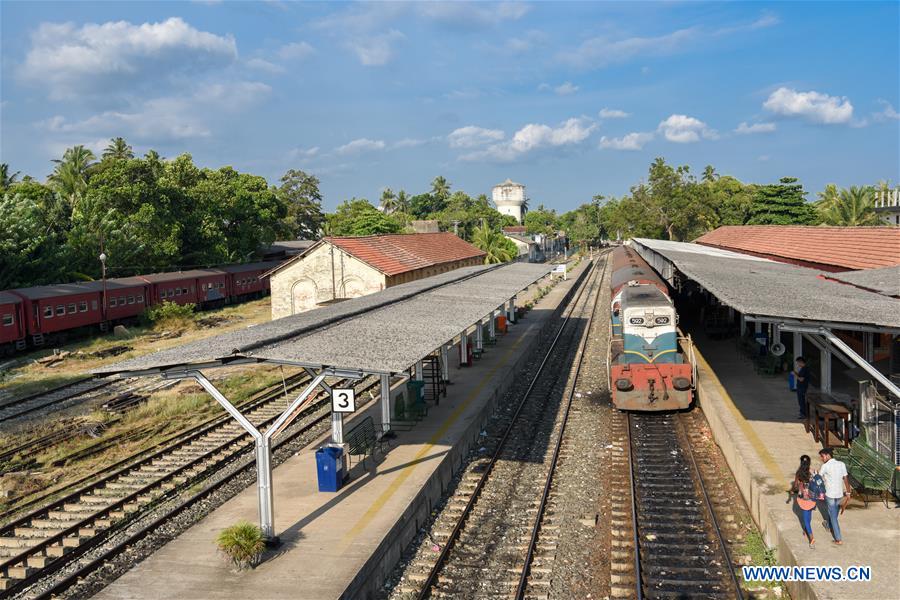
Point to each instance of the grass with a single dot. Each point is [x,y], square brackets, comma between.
[760,555]
[242,544]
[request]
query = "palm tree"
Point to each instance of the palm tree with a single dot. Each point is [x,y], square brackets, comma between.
[440,188]
[827,197]
[853,207]
[498,249]
[6,179]
[118,149]
[70,175]
[388,201]
[402,201]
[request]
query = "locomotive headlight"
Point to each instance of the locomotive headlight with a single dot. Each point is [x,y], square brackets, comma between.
[681,383]
[623,384]
[662,320]
[636,320]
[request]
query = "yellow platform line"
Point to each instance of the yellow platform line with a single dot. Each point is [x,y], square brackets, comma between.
[775,472]
[386,495]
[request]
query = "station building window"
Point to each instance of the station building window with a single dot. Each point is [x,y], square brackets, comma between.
[82,306]
[48,312]
[8,320]
[60,310]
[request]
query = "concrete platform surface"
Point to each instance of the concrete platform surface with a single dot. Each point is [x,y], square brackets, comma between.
[344,543]
[753,419]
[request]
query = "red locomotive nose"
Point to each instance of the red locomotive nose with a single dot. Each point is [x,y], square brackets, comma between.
[623,384]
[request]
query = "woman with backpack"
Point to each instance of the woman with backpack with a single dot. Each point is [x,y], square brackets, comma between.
[806,487]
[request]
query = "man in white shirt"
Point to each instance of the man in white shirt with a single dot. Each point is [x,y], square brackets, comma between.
[837,488]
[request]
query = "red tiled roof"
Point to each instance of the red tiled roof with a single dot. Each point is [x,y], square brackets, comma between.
[841,248]
[395,254]
[520,229]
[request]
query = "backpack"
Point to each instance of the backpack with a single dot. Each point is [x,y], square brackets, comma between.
[816,487]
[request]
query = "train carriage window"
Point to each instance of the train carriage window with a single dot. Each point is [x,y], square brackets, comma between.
[171,293]
[121,300]
[140,299]
[8,320]
[48,312]
[130,299]
[82,306]
[93,305]
[202,287]
[112,303]
[60,310]
[192,290]
[72,309]
[177,291]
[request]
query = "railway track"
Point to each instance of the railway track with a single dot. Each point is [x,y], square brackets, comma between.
[666,539]
[497,533]
[20,407]
[41,542]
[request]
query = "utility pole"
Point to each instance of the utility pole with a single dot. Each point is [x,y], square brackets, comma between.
[102,258]
[456,227]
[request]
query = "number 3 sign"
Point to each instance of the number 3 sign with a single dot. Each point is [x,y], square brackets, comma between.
[343,400]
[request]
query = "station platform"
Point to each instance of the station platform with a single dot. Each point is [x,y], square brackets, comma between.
[754,420]
[344,544]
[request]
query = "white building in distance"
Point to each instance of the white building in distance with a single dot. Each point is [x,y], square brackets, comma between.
[510,199]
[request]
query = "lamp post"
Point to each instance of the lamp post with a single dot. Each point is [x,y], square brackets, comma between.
[102,258]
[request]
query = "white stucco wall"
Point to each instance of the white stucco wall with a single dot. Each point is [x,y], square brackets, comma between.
[307,282]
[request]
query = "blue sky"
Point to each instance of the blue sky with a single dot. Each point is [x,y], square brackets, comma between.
[571,99]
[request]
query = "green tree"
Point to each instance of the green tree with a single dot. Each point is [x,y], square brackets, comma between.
[6,178]
[440,188]
[388,201]
[853,207]
[541,220]
[582,225]
[31,251]
[402,201]
[70,176]
[781,203]
[299,192]
[359,217]
[118,149]
[498,247]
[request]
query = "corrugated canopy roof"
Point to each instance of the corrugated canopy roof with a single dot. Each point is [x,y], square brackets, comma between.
[383,332]
[843,247]
[772,289]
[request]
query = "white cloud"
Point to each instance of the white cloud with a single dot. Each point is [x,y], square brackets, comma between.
[812,105]
[260,64]
[888,113]
[377,50]
[168,117]
[472,136]
[469,15]
[409,143]
[115,56]
[747,128]
[534,137]
[295,51]
[683,129]
[631,141]
[604,50]
[301,153]
[565,89]
[613,113]
[360,146]
[525,42]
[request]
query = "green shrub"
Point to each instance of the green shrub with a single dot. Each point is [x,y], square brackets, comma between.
[242,544]
[169,312]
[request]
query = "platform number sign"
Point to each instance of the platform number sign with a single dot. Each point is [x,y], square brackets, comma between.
[343,400]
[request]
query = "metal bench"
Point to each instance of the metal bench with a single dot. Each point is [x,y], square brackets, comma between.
[870,470]
[363,440]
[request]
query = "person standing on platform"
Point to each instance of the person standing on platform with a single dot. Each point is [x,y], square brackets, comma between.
[801,379]
[837,490]
[804,500]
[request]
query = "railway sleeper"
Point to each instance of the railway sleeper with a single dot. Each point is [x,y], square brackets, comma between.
[33,533]
[19,571]
[660,569]
[691,587]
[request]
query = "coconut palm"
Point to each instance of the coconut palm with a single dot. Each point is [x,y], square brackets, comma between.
[852,208]
[118,149]
[828,197]
[498,249]
[402,201]
[6,179]
[388,201]
[440,188]
[70,175]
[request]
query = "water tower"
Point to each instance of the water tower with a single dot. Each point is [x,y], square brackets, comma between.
[510,199]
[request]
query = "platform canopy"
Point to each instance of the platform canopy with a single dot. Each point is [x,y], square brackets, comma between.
[885,280]
[771,290]
[382,333]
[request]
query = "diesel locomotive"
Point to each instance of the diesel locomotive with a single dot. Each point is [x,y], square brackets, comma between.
[650,367]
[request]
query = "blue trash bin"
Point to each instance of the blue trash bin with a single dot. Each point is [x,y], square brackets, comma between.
[792,382]
[329,467]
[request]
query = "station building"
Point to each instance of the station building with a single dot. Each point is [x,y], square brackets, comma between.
[337,268]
